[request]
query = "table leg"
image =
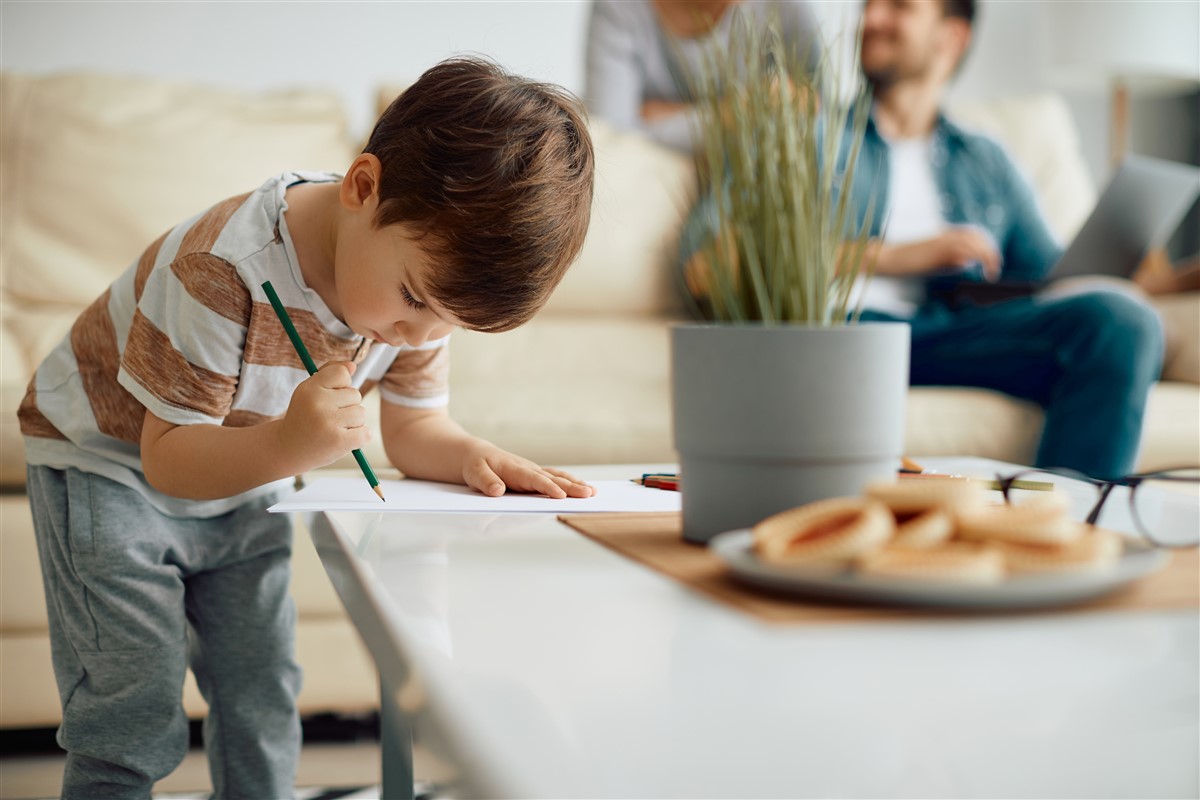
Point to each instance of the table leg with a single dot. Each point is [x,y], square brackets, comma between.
[396,746]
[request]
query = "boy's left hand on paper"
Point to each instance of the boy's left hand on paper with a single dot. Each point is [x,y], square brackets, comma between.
[489,470]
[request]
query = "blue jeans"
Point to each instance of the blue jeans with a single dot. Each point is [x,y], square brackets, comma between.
[135,597]
[1088,359]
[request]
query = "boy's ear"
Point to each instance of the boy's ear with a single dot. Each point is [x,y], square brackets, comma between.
[360,187]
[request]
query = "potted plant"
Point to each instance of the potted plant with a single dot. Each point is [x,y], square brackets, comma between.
[785,397]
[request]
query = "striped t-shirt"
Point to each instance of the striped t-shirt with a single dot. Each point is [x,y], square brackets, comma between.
[188,333]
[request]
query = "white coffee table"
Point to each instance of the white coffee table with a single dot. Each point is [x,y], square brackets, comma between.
[541,664]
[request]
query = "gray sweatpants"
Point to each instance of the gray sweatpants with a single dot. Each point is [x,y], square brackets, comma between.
[134,597]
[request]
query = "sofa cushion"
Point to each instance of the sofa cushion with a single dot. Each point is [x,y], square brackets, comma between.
[627,265]
[14,374]
[1171,432]
[96,167]
[560,390]
[959,420]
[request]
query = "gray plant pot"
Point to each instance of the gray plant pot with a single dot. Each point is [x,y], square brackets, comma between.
[768,418]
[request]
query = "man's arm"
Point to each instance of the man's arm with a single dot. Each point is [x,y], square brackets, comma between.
[954,249]
[1030,249]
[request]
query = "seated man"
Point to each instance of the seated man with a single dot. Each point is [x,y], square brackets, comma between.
[956,206]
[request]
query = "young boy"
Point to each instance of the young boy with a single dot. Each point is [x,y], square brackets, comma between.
[166,422]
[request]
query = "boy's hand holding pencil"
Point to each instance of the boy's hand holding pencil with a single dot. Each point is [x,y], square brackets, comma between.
[325,418]
[339,382]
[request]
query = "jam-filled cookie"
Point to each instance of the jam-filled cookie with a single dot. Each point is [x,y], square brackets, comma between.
[925,530]
[953,562]
[915,495]
[1092,549]
[827,530]
[1043,520]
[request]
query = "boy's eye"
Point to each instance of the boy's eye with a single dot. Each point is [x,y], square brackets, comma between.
[412,301]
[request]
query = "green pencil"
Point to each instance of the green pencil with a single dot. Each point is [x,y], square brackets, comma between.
[302,351]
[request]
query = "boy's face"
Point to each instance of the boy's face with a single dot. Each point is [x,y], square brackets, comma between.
[382,274]
[381,288]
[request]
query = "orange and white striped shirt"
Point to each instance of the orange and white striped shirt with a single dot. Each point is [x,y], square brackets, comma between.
[188,333]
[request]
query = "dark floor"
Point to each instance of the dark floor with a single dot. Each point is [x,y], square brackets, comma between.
[340,761]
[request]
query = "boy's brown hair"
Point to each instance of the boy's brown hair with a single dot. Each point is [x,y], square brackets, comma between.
[495,172]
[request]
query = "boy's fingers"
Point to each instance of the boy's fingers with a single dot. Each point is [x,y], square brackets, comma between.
[559,473]
[574,487]
[352,417]
[532,479]
[524,477]
[549,486]
[482,478]
[336,374]
[347,396]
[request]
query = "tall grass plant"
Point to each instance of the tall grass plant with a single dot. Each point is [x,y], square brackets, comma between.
[777,147]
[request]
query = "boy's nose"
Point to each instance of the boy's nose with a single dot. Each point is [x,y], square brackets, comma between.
[415,334]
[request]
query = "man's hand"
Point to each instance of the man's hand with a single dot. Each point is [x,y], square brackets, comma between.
[325,419]
[958,247]
[654,110]
[491,471]
[965,245]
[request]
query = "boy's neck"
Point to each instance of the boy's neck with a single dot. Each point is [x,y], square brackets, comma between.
[312,216]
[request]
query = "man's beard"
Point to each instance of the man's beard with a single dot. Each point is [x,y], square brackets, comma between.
[896,72]
[880,78]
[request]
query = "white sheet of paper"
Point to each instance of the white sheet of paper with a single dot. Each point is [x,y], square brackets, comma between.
[354,494]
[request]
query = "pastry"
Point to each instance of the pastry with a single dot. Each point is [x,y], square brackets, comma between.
[827,530]
[1093,549]
[1042,520]
[927,529]
[953,562]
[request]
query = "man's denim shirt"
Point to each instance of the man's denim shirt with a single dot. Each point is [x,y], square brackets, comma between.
[979,185]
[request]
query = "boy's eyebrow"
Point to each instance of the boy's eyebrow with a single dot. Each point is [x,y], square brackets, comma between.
[420,294]
[410,279]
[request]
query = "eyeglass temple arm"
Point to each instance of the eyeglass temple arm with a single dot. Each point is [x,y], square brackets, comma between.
[1104,493]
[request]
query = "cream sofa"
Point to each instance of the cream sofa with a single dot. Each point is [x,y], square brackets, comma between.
[95,167]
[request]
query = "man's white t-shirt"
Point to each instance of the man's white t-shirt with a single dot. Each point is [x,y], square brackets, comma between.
[914,213]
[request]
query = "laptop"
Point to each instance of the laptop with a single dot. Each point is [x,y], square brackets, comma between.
[1140,208]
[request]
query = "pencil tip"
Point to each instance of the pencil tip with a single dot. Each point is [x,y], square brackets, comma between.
[379,492]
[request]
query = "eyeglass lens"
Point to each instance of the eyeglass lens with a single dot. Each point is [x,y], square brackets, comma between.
[1168,509]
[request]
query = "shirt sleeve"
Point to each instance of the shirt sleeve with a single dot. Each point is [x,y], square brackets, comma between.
[613,88]
[183,354]
[615,83]
[801,31]
[1029,249]
[420,377]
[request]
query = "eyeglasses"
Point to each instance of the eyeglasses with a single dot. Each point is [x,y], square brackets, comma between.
[1164,505]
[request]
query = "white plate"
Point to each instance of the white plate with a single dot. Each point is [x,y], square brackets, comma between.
[736,548]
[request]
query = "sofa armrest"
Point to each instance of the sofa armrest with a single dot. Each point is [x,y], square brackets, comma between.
[1181,320]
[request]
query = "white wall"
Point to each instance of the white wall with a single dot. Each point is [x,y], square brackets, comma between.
[355,47]
[351,47]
